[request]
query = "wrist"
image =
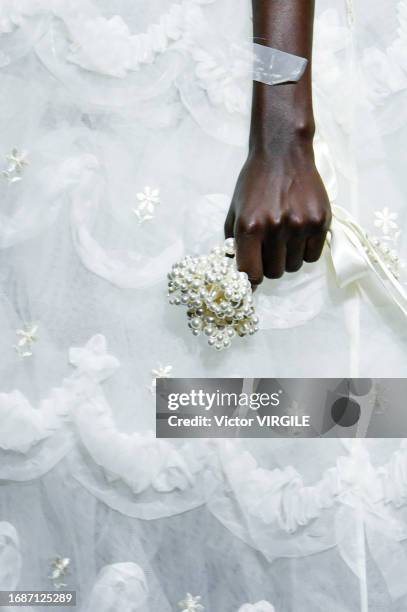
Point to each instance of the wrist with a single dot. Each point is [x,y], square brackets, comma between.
[282,116]
[279,134]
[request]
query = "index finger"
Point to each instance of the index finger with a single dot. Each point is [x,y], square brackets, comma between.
[249,257]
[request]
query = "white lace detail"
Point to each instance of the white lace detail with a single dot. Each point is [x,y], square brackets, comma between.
[386,220]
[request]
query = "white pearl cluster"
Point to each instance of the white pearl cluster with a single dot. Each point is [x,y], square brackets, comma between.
[218,297]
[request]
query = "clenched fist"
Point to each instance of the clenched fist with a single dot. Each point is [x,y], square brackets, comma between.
[280,212]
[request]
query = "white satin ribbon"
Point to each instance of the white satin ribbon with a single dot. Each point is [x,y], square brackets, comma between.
[353,253]
[348,261]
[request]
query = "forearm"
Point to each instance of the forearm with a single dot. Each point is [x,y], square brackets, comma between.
[280,212]
[283,113]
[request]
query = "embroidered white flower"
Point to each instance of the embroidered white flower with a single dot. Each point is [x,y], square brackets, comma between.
[59,569]
[160,372]
[16,163]
[386,220]
[148,200]
[27,337]
[191,604]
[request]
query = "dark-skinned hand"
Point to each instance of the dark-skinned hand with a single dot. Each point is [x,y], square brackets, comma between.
[280,212]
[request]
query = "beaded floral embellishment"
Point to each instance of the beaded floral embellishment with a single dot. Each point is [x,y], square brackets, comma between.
[16,162]
[59,569]
[26,338]
[191,604]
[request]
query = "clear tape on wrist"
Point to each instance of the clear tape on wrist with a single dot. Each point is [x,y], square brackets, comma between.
[273,67]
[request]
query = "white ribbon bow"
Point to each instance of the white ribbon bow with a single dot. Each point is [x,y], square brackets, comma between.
[353,253]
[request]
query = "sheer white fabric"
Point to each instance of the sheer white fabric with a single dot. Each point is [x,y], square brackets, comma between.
[123,127]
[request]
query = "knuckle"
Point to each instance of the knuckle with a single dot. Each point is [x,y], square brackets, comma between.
[275,223]
[296,224]
[249,227]
[318,221]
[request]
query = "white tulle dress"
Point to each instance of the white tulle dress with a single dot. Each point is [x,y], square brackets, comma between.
[123,126]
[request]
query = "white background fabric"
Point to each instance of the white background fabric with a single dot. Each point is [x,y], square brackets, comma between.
[107,97]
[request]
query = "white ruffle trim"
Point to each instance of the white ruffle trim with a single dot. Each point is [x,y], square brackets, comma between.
[139,475]
[79,409]
[107,46]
